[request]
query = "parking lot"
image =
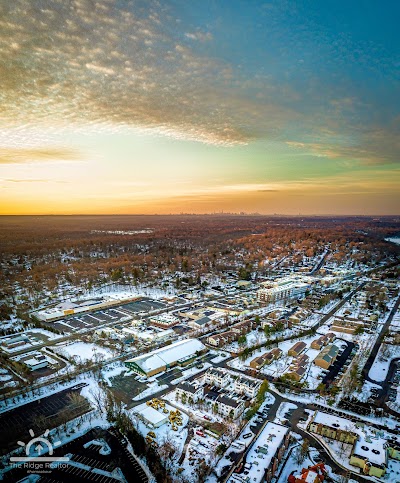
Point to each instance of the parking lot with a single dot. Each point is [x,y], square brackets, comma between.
[144,305]
[86,462]
[115,314]
[394,382]
[341,362]
[45,413]
[126,387]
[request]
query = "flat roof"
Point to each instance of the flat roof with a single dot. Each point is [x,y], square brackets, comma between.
[269,441]
[374,451]
[150,414]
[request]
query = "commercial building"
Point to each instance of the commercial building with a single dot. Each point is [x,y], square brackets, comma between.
[14,341]
[150,416]
[37,362]
[163,359]
[327,356]
[79,306]
[282,289]
[199,323]
[164,321]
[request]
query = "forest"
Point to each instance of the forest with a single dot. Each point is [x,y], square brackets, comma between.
[42,254]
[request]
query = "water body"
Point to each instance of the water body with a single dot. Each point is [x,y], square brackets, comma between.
[394,239]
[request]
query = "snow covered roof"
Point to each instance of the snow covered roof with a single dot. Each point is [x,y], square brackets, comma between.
[270,439]
[150,414]
[372,450]
[334,421]
[167,355]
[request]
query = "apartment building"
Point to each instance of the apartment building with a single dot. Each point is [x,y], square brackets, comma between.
[217,377]
[247,386]
[189,392]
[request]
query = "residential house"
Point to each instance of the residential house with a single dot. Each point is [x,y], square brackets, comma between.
[228,407]
[297,349]
[323,341]
[266,358]
[327,356]
[219,340]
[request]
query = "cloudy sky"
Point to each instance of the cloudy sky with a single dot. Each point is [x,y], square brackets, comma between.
[118,106]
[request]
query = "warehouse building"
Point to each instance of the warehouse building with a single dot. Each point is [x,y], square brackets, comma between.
[163,359]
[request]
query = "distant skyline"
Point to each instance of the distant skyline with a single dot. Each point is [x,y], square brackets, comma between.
[142,107]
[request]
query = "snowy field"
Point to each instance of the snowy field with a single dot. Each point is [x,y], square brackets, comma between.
[380,367]
[83,351]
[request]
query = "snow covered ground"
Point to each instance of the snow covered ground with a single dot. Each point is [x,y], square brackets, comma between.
[290,464]
[365,392]
[193,411]
[283,409]
[164,432]
[281,365]
[83,351]
[380,367]
[220,357]
[153,388]
[113,370]
[190,372]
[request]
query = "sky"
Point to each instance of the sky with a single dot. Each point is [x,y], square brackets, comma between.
[119,106]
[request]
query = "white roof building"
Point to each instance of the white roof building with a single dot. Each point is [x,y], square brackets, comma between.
[150,416]
[265,451]
[164,358]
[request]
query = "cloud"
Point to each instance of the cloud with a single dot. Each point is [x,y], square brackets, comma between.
[32,155]
[106,65]
[371,146]
[199,36]
[85,63]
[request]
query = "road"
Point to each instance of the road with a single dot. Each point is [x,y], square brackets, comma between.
[320,263]
[293,421]
[375,349]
